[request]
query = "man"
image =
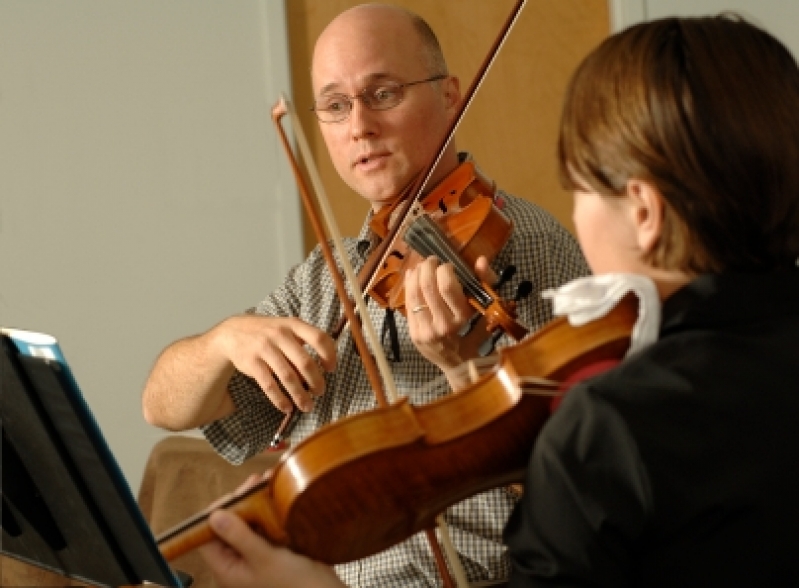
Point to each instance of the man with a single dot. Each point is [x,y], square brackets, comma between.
[678,466]
[384,99]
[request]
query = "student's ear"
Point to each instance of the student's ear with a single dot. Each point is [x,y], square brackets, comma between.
[646,210]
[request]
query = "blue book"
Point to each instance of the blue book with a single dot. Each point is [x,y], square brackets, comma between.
[66,506]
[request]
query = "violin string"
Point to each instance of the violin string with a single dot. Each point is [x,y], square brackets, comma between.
[471,93]
[425,237]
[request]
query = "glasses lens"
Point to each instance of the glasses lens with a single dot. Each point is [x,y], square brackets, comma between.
[382,96]
[337,107]
[332,108]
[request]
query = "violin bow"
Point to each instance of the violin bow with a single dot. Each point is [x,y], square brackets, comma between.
[368,271]
[385,391]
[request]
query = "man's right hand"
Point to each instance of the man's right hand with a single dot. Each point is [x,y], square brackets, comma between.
[274,351]
[188,386]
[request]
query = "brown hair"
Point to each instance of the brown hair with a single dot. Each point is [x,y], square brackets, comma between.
[434,56]
[707,110]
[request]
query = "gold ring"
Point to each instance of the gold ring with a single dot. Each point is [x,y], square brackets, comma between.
[419,308]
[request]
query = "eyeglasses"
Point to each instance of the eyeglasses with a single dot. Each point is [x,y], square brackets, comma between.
[337,107]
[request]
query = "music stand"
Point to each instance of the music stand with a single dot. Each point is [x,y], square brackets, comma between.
[66,506]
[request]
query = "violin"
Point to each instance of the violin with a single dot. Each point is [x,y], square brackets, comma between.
[335,496]
[448,223]
[457,222]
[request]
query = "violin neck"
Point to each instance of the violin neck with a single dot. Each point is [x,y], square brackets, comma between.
[426,238]
[194,531]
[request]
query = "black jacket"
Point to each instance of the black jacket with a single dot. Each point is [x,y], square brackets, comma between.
[679,467]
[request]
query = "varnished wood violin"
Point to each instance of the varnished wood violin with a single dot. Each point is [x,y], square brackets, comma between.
[369,481]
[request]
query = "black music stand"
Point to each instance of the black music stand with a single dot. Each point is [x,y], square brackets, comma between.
[66,506]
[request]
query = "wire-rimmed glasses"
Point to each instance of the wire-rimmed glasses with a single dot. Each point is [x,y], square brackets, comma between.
[333,108]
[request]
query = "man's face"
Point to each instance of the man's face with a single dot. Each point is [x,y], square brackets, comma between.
[378,153]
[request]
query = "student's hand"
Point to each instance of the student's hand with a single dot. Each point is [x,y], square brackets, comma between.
[240,558]
[436,310]
[272,351]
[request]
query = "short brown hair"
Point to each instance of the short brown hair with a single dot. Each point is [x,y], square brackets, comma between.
[434,56]
[707,110]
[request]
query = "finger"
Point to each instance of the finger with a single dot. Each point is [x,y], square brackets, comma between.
[292,384]
[262,374]
[422,302]
[452,294]
[412,302]
[252,562]
[282,354]
[294,343]
[484,271]
[304,373]
[413,295]
[442,314]
[237,534]
[322,343]
[221,559]
[428,285]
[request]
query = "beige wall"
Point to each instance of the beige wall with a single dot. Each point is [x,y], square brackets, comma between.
[142,194]
[512,125]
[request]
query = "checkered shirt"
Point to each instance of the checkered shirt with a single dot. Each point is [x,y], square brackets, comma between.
[542,251]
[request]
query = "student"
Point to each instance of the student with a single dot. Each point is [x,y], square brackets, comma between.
[384,99]
[680,140]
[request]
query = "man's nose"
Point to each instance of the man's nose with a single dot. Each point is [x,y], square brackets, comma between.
[363,121]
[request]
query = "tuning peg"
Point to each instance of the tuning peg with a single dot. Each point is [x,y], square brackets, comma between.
[524,289]
[487,347]
[504,276]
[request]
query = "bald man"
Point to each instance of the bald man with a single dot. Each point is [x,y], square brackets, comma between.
[384,99]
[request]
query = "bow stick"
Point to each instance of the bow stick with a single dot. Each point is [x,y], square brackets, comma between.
[280,109]
[369,270]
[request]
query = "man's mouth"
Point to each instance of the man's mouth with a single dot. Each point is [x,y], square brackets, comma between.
[370,158]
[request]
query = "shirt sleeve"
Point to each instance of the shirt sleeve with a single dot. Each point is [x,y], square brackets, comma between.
[586,498]
[251,427]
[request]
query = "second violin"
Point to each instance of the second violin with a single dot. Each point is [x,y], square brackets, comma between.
[369,481]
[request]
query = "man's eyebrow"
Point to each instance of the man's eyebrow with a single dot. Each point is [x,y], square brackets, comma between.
[370,79]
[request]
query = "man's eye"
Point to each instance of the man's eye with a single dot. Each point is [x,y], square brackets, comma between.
[384,94]
[333,104]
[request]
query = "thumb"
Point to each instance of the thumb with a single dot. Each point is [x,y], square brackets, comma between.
[236,533]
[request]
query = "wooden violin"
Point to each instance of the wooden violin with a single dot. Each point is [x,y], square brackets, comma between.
[456,222]
[369,481]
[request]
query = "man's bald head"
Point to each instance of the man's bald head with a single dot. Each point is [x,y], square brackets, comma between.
[386,17]
[385,50]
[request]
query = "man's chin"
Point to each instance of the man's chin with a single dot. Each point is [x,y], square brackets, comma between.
[378,201]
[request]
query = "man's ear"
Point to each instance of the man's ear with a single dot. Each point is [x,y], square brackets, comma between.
[646,210]
[452,92]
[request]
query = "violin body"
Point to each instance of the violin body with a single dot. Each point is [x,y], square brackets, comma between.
[462,206]
[372,480]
